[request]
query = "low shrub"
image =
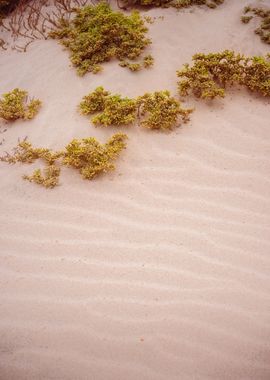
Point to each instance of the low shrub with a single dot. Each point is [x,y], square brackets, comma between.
[92,158]
[87,155]
[49,179]
[171,3]
[160,110]
[155,111]
[211,73]
[113,109]
[15,105]
[97,34]
[264,29]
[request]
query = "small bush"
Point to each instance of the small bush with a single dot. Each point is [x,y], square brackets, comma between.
[14,105]
[174,3]
[114,110]
[87,155]
[97,34]
[49,179]
[92,158]
[211,73]
[161,111]
[264,29]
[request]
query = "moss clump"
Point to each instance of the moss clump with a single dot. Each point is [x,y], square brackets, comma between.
[114,110]
[49,179]
[92,158]
[98,34]
[161,111]
[264,29]
[87,155]
[210,74]
[14,105]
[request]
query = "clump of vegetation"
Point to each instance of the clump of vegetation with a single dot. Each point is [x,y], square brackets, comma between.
[97,34]
[174,3]
[161,111]
[211,73]
[113,109]
[264,29]
[49,179]
[158,110]
[92,158]
[131,66]
[15,105]
[87,155]
[148,61]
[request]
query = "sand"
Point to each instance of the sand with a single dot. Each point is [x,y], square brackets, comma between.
[161,269]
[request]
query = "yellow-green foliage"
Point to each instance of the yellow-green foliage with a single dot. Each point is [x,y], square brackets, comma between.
[158,110]
[189,3]
[173,3]
[264,29]
[148,61]
[210,74]
[15,105]
[114,110]
[98,34]
[87,155]
[161,111]
[94,102]
[24,152]
[49,179]
[131,66]
[92,158]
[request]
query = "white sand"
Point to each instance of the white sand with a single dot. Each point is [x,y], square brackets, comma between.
[161,269]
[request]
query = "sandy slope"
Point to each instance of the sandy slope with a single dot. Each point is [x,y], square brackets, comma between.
[160,270]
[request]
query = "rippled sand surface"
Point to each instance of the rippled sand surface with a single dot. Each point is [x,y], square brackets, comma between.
[160,270]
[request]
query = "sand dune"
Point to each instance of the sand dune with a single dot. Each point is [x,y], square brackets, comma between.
[161,269]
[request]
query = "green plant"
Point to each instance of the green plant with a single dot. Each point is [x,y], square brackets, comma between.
[148,61]
[246,19]
[87,155]
[98,34]
[92,158]
[174,3]
[114,110]
[211,73]
[14,105]
[264,29]
[160,110]
[131,66]
[94,102]
[49,179]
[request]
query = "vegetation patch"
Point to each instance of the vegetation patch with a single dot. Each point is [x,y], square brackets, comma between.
[113,109]
[87,155]
[92,158]
[97,34]
[264,14]
[16,105]
[160,110]
[211,73]
[171,3]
